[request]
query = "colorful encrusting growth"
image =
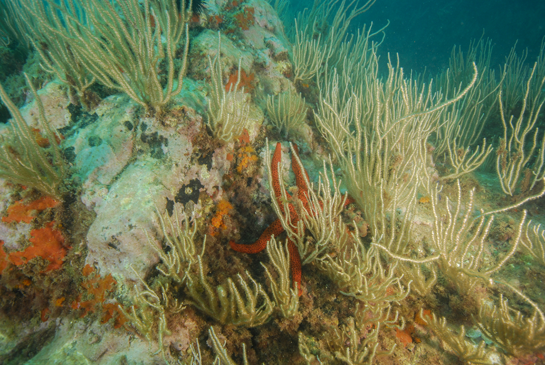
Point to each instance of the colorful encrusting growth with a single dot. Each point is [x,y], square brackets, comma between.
[132,180]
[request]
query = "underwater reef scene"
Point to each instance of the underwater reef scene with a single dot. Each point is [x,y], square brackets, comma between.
[264,182]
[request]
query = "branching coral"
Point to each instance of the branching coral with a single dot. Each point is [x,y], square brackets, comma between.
[510,330]
[285,297]
[221,353]
[363,351]
[56,52]
[160,302]
[228,111]
[458,246]
[12,26]
[176,259]
[423,277]
[467,119]
[222,356]
[286,212]
[379,135]
[308,55]
[464,161]
[360,273]
[357,342]
[180,250]
[460,243]
[324,28]
[457,343]
[22,160]
[287,111]
[534,242]
[227,305]
[515,155]
[121,47]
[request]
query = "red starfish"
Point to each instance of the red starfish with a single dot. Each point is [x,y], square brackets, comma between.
[276,227]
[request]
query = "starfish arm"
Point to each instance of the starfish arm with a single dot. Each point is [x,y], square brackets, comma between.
[274,229]
[295,265]
[300,180]
[277,157]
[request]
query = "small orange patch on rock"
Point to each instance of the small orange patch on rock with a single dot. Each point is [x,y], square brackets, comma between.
[43,141]
[23,283]
[96,289]
[424,200]
[87,270]
[426,314]
[99,286]
[111,310]
[244,137]
[215,21]
[405,336]
[40,140]
[232,4]
[246,81]
[4,261]
[245,19]
[45,314]
[224,207]
[246,156]
[21,212]
[46,243]
[58,302]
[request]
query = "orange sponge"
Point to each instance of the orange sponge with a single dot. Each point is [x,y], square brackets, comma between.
[46,243]
[21,212]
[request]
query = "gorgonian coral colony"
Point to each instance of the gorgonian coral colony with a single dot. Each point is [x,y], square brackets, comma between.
[147,219]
